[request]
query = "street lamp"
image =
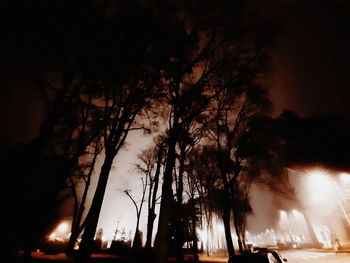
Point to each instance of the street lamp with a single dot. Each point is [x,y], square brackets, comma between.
[345,178]
[62,228]
[321,184]
[61,231]
[324,192]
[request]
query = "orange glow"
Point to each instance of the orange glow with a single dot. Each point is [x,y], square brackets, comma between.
[63,227]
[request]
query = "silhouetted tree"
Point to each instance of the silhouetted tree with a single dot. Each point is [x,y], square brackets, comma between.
[84,174]
[241,209]
[206,49]
[273,144]
[231,111]
[150,165]
[69,123]
[204,181]
[127,92]
[137,242]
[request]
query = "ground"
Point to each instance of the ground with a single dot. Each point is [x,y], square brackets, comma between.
[293,256]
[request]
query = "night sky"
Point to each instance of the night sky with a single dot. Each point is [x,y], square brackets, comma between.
[311,64]
[312,61]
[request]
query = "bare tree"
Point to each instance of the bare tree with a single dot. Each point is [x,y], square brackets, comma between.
[84,174]
[137,243]
[232,110]
[127,91]
[69,128]
[203,180]
[151,160]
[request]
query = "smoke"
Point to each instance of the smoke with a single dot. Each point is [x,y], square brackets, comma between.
[266,206]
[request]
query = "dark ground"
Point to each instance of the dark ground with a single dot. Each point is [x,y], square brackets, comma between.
[38,257]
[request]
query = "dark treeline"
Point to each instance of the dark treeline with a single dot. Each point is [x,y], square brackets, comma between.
[303,141]
[190,70]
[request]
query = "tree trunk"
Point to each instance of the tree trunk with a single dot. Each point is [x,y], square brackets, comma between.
[180,188]
[86,245]
[223,165]
[76,227]
[150,223]
[179,233]
[137,243]
[195,239]
[236,211]
[227,226]
[240,244]
[151,211]
[227,214]
[208,237]
[167,198]
[179,195]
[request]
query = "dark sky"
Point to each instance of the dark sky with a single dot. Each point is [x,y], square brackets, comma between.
[312,61]
[311,64]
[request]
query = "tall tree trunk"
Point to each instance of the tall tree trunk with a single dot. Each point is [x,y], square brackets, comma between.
[239,238]
[226,217]
[180,188]
[179,196]
[87,241]
[151,211]
[194,236]
[236,211]
[227,210]
[166,205]
[76,225]
[223,158]
[137,243]
[150,223]
[179,233]
[208,236]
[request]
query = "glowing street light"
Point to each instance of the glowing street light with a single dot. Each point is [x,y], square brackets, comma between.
[345,178]
[61,231]
[63,228]
[328,190]
[321,184]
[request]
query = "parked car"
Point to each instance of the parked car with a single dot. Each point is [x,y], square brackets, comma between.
[277,257]
[249,258]
[273,254]
[261,255]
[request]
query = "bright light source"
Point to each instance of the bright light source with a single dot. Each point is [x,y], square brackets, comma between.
[53,235]
[297,214]
[345,178]
[202,235]
[320,186]
[319,178]
[283,217]
[63,227]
